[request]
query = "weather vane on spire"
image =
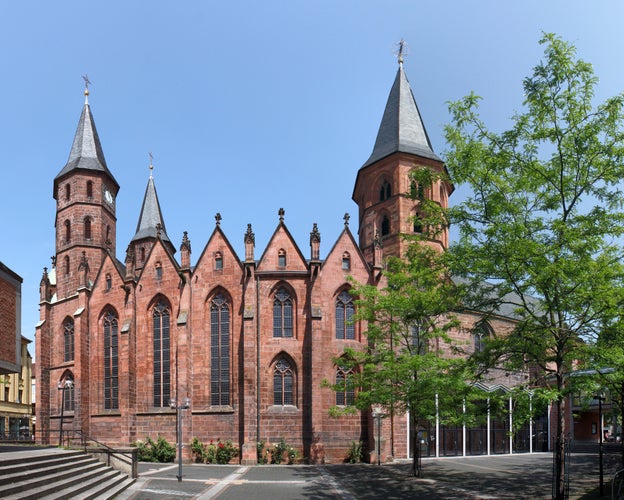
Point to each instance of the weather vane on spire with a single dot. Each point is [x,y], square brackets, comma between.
[151,166]
[402,50]
[86,91]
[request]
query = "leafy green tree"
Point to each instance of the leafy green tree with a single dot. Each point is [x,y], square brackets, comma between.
[544,217]
[409,360]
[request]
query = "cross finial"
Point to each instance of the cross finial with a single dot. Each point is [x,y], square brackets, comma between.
[151,165]
[218,218]
[281,213]
[346,218]
[401,51]
[86,90]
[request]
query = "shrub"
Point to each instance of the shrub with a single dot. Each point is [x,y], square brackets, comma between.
[262,454]
[159,451]
[220,452]
[354,453]
[280,451]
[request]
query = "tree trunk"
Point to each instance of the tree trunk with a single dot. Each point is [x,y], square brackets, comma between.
[560,448]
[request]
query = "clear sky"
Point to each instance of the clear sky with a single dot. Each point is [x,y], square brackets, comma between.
[249,106]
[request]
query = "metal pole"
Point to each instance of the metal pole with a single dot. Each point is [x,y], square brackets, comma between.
[62,412]
[378,417]
[179,417]
[600,446]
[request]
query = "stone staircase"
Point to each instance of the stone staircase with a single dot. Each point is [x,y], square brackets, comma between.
[54,473]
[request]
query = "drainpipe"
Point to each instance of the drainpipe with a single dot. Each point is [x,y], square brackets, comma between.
[257,360]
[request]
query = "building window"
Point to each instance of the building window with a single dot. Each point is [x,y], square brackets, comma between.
[218,261]
[419,341]
[282,314]
[418,225]
[345,395]
[7,393]
[87,228]
[142,254]
[281,258]
[346,261]
[89,189]
[162,383]
[109,282]
[385,226]
[480,335]
[283,383]
[219,352]
[67,231]
[66,265]
[111,362]
[385,192]
[345,329]
[68,392]
[67,191]
[68,334]
[158,271]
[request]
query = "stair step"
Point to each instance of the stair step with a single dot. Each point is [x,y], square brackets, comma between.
[45,485]
[51,473]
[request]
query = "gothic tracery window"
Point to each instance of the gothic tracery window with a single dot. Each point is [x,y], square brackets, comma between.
[345,395]
[345,329]
[68,339]
[283,383]
[162,381]
[219,351]
[282,314]
[111,361]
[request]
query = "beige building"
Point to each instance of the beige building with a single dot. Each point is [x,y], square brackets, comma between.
[16,415]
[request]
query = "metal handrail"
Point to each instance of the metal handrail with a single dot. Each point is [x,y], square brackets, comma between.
[122,455]
[617,485]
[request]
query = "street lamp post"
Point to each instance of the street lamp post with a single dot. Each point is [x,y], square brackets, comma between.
[377,416]
[63,387]
[179,406]
[600,399]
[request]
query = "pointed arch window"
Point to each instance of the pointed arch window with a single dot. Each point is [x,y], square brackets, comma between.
[283,383]
[281,258]
[282,314]
[67,191]
[385,225]
[219,351]
[89,189]
[346,261]
[418,225]
[67,385]
[66,265]
[68,339]
[109,282]
[345,395]
[480,335]
[67,231]
[111,361]
[162,375]
[345,309]
[87,228]
[385,192]
[218,261]
[159,271]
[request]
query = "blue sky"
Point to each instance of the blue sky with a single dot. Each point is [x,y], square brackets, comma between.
[250,106]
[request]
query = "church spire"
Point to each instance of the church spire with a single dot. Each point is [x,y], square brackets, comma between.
[402,129]
[151,223]
[86,152]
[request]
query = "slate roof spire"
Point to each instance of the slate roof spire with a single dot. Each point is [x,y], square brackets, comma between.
[402,129]
[151,222]
[86,152]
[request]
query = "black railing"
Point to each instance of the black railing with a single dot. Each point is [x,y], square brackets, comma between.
[121,459]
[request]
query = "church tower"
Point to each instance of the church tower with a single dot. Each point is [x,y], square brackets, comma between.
[384,187]
[85,192]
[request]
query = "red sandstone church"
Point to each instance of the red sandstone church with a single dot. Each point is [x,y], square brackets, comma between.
[248,341]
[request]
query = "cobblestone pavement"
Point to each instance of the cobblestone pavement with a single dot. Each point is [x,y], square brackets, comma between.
[520,476]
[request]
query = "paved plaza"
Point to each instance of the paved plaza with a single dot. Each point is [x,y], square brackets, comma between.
[505,476]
